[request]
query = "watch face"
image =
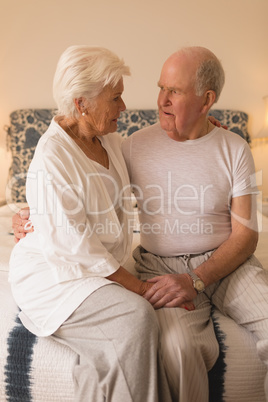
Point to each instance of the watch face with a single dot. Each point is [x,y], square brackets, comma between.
[199,285]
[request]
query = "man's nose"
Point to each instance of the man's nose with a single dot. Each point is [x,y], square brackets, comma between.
[164,97]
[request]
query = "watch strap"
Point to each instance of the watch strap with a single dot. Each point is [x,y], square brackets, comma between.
[197,281]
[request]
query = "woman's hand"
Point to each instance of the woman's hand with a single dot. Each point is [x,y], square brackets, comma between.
[21,224]
[216,122]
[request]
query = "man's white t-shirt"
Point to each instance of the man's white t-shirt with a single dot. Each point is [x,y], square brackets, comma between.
[184,189]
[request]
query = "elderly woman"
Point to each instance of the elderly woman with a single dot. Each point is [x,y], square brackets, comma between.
[67,275]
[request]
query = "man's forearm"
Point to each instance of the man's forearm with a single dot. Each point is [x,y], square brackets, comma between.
[229,256]
[241,243]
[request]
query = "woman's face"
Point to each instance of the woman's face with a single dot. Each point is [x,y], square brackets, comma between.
[102,114]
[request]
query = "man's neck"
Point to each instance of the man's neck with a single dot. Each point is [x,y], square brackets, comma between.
[196,132]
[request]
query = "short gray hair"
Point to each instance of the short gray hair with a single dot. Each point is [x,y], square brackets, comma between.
[83,71]
[209,74]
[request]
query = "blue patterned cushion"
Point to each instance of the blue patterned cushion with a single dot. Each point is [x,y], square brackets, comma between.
[235,120]
[27,125]
[135,119]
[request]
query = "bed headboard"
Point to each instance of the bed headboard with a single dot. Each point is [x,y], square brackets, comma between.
[27,125]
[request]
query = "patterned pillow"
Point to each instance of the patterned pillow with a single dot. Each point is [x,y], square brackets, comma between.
[135,119]
[235,120]
[27,125]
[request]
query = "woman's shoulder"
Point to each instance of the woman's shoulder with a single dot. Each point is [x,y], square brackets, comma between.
[114,137]
[54,138]
[54,149]
[112,140]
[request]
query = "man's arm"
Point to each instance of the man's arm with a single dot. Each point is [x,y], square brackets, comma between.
[240,245]
[172,290]
[19,220]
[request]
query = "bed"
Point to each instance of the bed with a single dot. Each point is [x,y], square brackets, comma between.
[39,369]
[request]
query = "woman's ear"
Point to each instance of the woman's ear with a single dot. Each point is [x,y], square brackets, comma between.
[79,104]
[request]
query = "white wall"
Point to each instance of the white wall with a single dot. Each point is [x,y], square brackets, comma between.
[33,34]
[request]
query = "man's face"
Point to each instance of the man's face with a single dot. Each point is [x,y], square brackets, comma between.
[179,106]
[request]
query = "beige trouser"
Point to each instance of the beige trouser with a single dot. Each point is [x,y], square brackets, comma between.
[189,345]
[116,336]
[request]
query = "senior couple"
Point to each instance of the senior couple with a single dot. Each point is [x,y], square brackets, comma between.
[150,338]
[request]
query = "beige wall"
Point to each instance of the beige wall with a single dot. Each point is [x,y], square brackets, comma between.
[33,33]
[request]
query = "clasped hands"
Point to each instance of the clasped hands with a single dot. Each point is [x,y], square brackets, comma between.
[171,290]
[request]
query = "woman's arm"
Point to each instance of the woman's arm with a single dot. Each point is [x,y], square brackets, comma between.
[121,276]
[129,281]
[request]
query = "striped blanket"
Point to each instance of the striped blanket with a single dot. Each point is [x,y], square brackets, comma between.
[32,369]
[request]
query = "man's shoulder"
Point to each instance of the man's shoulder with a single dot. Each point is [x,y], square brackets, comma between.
[231,136]
[226,138]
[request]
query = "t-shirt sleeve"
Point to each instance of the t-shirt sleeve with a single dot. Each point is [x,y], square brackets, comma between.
[244,176]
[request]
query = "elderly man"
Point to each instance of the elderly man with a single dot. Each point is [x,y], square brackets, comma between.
[195,189]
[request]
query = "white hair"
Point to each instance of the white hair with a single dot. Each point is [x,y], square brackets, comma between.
[83,71]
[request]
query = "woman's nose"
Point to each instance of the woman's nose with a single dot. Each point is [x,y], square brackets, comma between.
[122,106]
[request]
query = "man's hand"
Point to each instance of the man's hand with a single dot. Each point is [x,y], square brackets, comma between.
[174,290]
[21,224]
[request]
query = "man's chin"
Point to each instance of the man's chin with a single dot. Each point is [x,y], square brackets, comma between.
[166,125]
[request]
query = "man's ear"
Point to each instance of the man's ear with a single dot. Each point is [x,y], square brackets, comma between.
[209,99]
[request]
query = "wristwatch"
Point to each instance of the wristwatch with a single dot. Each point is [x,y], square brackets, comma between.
[197,282]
